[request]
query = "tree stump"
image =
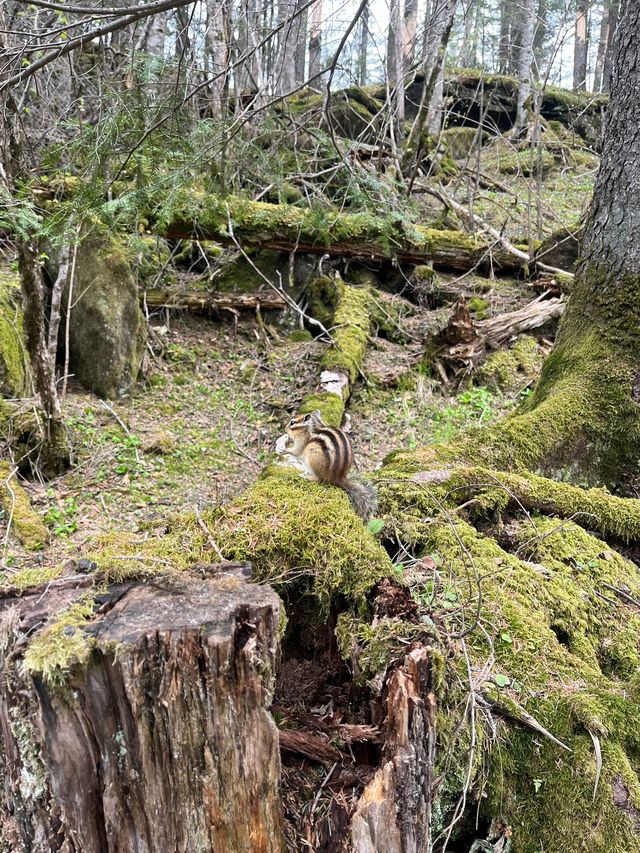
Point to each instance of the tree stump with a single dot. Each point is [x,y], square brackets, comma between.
[161,741]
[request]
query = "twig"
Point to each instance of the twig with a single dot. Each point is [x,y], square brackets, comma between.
[598,751]
[207,533]
[525,719]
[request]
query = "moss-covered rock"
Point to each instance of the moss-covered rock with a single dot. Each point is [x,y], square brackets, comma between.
[561,248]
[107,330]
[509,369]
[460,142]
[14,369]
[525,162]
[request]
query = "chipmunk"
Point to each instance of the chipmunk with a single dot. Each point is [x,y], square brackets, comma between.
[326,455]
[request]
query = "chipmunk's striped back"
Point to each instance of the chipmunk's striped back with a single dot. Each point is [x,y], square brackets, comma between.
[327,450]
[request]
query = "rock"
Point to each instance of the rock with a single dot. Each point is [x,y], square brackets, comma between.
[562,248]
[14,368]
[107,331]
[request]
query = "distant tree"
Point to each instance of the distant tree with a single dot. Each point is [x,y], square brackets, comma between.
[581,45]
[315,42]
[363,46]
[528,10]
[614,13]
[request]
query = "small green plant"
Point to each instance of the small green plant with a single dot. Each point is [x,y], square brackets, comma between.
[61,517]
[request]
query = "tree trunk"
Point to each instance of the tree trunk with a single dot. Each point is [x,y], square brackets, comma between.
[469,46]
[410,26]
[218,41]
[581,46]
[300,39]
[149,729]
[614,12]
[281,226]
[315,44]
[602,48]
[584,414]
[363,50]
[525,59]
[506,45]
[285,61]
[395,72]
[439,27]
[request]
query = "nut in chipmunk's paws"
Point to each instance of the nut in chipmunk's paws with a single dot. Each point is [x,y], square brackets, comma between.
[282,444]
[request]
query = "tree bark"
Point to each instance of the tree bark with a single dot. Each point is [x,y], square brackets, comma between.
[395,72]
[525,59]
[285,62]
[268,300]
[584,414]
[218,42]
[409,40]
[349,235]
[602,48]
[614,13]
[581,45]
[315,44]
[159,738]
[439,28]
[363,50]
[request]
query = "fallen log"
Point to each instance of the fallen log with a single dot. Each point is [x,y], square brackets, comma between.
[190,300]
[236,220]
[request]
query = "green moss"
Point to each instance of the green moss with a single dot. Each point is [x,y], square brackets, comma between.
[330,406]
[478,306]
[56,649]
[508,369]
[28,578]
[300,335]
[350,331]
[25,523]
[14,377]
[548,624]
[123,556]
[370,648]
[322,297]
[524,162]
[282,525]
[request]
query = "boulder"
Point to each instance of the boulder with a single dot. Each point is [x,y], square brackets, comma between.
[107,330]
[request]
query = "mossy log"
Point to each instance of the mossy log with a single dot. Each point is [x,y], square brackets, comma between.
[201,215]
[139,718]
[207,303]
[343,360]
[22,520]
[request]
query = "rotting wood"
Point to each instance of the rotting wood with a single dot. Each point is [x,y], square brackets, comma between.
[309,745]
[167,716]
[193,300]
[464,343]
[393,814]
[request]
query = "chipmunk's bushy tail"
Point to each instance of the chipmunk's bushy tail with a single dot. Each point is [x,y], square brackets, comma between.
[363,496]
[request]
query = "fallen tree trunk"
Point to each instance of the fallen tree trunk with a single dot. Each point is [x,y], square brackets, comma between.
[189,300]
[146,727]
[350,235]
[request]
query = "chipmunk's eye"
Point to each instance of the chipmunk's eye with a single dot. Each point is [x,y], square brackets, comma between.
[292,422]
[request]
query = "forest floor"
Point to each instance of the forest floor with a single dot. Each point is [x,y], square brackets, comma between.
[216,394]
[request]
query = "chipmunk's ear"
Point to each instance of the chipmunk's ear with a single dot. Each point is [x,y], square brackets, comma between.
[316,415]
